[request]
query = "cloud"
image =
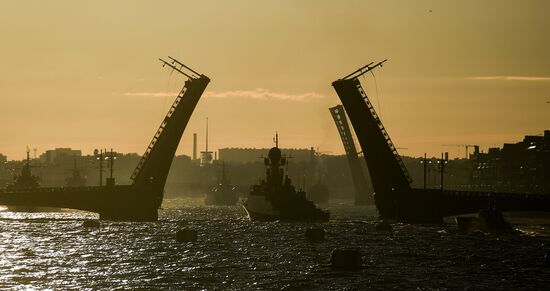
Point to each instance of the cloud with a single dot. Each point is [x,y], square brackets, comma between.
[264,94]
[258,94]
[510,78]
[152,94]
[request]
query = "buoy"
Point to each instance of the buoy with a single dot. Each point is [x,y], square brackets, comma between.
[315,234]
[346,259]
[91,223]
[186,235]
[29,253]
[383,226]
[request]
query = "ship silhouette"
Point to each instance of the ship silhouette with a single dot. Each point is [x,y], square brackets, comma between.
[223,193]
[275,198]
[26,181]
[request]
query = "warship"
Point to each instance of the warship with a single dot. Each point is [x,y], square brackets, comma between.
[223,193]
[25,182]
[275,198]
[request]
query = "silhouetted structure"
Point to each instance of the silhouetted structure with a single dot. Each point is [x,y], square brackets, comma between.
[58,155]
[519,167]
[394,197]
[223,193]
[362,196]
[194,146]
[251,155]
[206,156]
[276,198]
[76,179]
[26,180]
[141,199]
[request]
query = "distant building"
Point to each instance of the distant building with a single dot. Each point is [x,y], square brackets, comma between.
[59,155]
[519,167]
[3,159]
[250,155]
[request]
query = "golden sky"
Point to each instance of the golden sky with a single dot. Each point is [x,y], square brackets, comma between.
[85,74]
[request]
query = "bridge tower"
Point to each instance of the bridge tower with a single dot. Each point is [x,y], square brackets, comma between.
[389,176]
[360,183]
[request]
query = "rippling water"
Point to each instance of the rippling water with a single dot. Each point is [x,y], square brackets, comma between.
[54,251]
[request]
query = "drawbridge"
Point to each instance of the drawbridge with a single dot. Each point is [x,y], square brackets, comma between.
[393,194]
[360,183]
[140,200]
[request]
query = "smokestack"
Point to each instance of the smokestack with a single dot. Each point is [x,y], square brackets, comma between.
[194,146]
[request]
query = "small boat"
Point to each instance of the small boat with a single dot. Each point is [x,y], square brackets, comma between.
[319,193]
[223,193]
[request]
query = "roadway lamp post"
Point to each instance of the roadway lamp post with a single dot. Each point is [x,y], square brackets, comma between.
[100,159]
[442,162]
[102,156]
[111,158]
[425,162]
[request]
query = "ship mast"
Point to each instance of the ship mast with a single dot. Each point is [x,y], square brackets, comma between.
[207,135]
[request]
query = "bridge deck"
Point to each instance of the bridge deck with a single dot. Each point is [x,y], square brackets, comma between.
[431,204]
[121,202]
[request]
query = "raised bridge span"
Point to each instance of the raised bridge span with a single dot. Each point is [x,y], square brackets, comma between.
[393,195]
[140,200]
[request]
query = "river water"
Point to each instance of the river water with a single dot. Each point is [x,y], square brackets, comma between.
[54,251]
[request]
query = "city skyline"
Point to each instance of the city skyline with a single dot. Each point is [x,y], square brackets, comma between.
[87,77]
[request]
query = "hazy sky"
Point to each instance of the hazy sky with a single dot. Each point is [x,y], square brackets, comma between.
[84,74]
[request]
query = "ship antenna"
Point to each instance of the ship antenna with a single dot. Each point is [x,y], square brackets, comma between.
[276,139]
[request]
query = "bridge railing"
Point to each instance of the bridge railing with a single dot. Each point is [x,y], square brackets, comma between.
[159,132]
[384,133]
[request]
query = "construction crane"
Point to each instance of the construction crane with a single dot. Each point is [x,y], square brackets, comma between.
[466,146]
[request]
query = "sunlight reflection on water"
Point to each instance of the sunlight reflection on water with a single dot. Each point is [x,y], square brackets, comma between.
[53,251]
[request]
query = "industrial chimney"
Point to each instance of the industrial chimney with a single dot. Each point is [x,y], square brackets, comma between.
[194,146]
